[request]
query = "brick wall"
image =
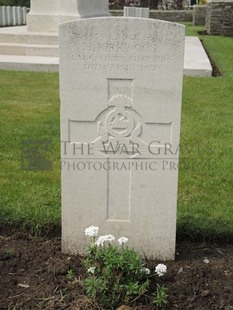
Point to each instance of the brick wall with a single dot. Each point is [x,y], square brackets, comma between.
[169,15]
[219,18]
[172,15]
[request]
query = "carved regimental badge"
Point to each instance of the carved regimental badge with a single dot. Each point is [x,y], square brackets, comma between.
[119,124]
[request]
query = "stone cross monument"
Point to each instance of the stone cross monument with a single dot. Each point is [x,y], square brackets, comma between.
[45,15]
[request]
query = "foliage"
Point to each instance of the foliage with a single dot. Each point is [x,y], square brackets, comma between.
[29,108]
[15,3]
[70,274]
[160,297]
[119,4]
[203,2]
[116,275]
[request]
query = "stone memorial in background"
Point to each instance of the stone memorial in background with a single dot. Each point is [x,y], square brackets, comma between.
[199,15]
[121,90]
[46,15]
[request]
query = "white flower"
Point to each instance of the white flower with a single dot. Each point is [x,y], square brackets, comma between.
[123,240]
[145,270]
[91,269]
[102,239]
[161,269]
[110,238]
[92,231]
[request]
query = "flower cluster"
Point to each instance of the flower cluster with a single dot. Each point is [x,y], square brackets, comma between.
[161,269]
[92,231]
[122,240]
[106,238]
[116,274]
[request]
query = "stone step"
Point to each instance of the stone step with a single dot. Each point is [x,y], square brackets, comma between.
[29,49]
[21,36]
[29,63]
[196,62]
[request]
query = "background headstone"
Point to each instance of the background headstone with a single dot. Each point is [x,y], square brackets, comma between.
[121,87]
[199,15]
[12,16]
[130,11]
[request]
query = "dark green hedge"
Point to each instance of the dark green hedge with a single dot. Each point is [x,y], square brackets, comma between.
[119,4]
[15,2]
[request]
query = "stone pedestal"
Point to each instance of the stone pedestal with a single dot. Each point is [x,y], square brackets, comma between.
[46,15]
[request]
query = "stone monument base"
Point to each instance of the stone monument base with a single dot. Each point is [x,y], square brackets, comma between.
[46,15]
[46,23]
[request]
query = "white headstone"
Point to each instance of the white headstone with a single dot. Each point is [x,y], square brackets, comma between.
[130,11]
[19,15]
[121,89]
[9,15]
[24,12]
[45,15]
[3,16]
[14,11]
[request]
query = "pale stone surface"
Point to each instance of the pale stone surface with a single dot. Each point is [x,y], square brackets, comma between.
[29,49]
[130,11]
[196,62]
[121,83]
[29,63]
[45,15]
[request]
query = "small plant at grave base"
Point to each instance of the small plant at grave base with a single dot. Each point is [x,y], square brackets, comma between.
[160,297]
[70,274]
[116,275]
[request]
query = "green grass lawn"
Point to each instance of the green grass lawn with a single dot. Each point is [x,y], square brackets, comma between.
[29,109]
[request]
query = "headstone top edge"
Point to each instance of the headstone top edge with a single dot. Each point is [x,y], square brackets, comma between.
[139,19]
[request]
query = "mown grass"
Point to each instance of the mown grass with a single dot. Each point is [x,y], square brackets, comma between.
[205,180]
[205,207]
[29,109]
